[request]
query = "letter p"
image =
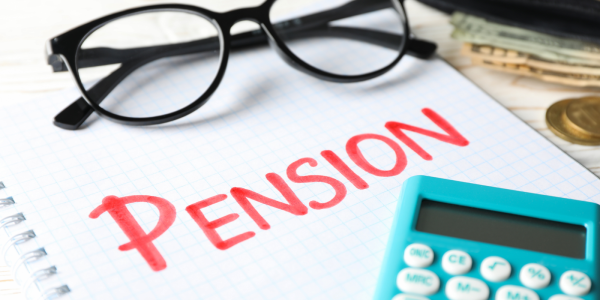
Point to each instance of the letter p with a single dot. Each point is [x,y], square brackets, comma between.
[138,239]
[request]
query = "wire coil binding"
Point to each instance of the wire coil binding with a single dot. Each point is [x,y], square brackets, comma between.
[15,240]
[34,277]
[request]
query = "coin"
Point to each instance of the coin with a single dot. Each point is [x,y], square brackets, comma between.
[584,116]
[556,122]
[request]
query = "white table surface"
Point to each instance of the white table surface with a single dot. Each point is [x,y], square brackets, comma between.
[25,26]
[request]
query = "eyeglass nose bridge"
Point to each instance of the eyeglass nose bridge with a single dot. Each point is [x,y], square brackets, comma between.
[258,14]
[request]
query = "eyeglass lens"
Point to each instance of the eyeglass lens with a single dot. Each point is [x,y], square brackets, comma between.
[346,46]
[150,51]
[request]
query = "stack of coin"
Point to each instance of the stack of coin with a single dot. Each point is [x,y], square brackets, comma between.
[576,120]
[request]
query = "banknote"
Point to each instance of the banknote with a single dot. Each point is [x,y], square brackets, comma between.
[572,79]
[498,54]
[479,31]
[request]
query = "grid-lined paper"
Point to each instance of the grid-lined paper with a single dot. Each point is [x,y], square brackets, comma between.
[264,116]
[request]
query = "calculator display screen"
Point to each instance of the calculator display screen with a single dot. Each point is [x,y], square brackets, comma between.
[502,229]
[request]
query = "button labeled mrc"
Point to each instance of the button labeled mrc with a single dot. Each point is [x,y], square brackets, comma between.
[418,281]
[418,255]
[456,262]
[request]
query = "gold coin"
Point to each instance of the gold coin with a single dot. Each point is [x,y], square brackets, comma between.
[584,116]
[556,123]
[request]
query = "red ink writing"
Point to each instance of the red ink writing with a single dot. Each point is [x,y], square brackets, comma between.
[343,168]
[139,240]
[452,136]
[209,227]
[143,242]
[340,188]
[294,206]
[359,159]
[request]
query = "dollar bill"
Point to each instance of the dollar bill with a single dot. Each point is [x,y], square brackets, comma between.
[573,79]
[498,54]
[476,30]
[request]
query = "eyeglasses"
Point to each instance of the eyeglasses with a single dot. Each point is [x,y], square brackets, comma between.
[121,61]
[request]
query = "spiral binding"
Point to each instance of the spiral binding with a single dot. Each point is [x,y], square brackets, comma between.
[27,257]
[15,240]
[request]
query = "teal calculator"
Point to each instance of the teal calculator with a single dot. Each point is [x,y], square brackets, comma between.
[462,241]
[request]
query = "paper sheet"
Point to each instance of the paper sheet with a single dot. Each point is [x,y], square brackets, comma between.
[264,117]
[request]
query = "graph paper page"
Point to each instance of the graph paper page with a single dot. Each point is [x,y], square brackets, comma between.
[264,117]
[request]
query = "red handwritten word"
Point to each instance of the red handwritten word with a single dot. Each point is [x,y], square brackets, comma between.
[117,209]
[209,227]
[452,136]
[358,158]
[139,240]
[338,186]
[343,168]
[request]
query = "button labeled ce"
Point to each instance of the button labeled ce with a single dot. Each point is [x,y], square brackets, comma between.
[456,262]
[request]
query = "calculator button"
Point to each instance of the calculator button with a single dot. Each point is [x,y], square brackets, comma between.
[535,276]
[418,255]
[563,297]
[495,269]
[418,281]
[456,262]
[512,292]
[466,288]
[408,297]
[575,283]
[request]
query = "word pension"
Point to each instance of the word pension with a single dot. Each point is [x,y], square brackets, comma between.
[143,242]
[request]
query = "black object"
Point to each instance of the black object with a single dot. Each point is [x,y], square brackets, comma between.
[577,19]
[64,51]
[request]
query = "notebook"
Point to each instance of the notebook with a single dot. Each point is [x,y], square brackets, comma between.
[311,169]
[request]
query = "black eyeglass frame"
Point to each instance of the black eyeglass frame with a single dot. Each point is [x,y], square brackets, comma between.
[63,52]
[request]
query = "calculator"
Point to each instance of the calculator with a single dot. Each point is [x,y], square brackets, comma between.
[461,241]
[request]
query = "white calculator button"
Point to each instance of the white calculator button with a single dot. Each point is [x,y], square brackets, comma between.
[418,281]
[575,283]
[564,297]
[495,269]
[512,292]
[466,288]
[535,276]
[456,262]
[408,297]
[418,255]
